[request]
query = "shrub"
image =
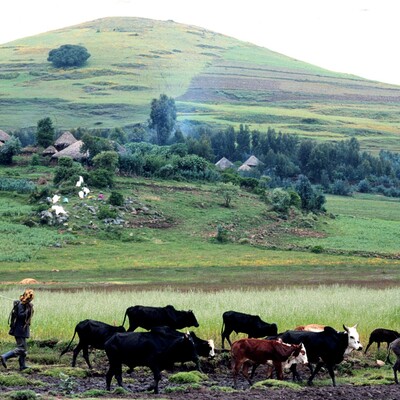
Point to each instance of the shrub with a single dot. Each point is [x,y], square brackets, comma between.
[101,178]
[280,200]
[116,199]
[22,395]
[68,55]
[106,212]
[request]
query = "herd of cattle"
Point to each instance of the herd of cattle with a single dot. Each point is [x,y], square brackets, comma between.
[162,346]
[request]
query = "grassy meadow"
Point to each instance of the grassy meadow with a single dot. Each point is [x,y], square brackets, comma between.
[213,78]
[58,312]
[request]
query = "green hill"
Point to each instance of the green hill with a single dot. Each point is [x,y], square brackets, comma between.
[214,79]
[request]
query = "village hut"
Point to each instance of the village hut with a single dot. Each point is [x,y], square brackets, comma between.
[65,140]
[244,167]
[73,151]
[224,164]
[4,136]
[252,161]
[29,150]
[49,151]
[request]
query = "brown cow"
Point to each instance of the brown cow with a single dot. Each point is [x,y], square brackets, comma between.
[310,328]
[259,351]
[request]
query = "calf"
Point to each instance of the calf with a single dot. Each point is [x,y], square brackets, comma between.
[260,351]
[323,348]
[395,347]
[150,317]
[158,350]
[381,335]
[91,333]
[253,325]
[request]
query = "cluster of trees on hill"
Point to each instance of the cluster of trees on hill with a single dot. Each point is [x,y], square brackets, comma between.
[160,149]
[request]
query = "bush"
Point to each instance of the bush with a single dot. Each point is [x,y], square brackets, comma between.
[116,199]
[101,178]
[68,171]
[68,55]
[106,212]
[280,200]
[22,395]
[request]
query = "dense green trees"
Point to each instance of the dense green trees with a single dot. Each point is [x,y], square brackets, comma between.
[45,132]
[9,149]
[163,118]
[68,55]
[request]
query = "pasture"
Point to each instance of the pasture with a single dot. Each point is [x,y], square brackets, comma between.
[57,312]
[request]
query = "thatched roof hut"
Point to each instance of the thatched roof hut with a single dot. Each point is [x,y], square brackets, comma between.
[4,136]
[73,151]
[244,167]
[49,151]
[252,161]
[65,140]
[29,150]
[224,163]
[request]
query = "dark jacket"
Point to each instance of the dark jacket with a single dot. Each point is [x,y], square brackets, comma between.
[20,319]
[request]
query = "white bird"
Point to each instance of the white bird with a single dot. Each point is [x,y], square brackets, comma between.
[55,198]
[58,209]
[80,181]
[81,194]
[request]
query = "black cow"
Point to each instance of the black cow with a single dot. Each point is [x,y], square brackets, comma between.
[323,348]
[149,317]
[381,335]
[91,333]
[158,349]
[253,325]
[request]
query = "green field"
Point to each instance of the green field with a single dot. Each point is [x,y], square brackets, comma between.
[213,78]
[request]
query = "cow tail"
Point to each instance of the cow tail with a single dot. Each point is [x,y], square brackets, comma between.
[223,327]
[69,344]
[126,313]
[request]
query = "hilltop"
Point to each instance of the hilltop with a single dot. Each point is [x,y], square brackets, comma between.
[214,79]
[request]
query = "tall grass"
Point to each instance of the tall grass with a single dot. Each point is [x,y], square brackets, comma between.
[57,312]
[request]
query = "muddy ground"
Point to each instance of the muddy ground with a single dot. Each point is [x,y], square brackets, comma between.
[218,384]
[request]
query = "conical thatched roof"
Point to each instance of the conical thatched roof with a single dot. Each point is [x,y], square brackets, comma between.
[4,136]
[224,163]
[252,161]
[244,167]
[73,151]
[49,151]
[65,140]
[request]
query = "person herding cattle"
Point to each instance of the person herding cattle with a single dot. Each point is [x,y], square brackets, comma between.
[20,320]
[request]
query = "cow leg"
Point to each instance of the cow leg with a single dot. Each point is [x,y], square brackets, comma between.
[253,371]
[278,369]
[331,374]
[245,372]
[396,367]
[235,365]
[157,378]
[366,349]
[109,376]
[295,375]
[85,351]
[315,372]
[225,335]
[75,353]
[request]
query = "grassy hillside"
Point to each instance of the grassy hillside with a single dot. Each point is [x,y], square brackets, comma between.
[169,235]
[214,78]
